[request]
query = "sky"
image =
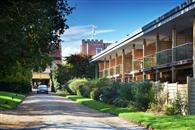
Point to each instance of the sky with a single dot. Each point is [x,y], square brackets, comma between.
[113,19]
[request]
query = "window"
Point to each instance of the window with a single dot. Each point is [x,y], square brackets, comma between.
[98,50]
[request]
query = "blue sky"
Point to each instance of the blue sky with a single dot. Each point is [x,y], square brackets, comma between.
[114,19]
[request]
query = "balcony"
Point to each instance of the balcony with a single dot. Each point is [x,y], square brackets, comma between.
[183,52]
[164,56]
[112,71]
[101,74]
[106,72]
[118,69]
[150,61]
[138,64]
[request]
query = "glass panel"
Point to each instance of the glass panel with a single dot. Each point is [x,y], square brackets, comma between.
[164,57]
[138,64]
[183,52]
[149,61]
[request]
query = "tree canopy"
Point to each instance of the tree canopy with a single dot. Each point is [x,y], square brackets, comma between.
[29,32]
[77,66]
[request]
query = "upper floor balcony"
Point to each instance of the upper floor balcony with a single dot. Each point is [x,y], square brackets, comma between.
[183,52]
[149,61]
[164,57]
[119,69]
[179,53]
[138,64]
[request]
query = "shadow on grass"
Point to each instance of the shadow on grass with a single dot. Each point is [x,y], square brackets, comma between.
[100,106]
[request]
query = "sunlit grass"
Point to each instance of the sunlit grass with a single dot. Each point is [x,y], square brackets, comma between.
[10,100]
[149,120]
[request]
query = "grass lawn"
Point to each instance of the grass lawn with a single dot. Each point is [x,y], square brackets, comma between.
[10,100]
[157,122]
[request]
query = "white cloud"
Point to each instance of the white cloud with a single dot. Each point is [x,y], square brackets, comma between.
[66,51]
[72,38]
[104,31]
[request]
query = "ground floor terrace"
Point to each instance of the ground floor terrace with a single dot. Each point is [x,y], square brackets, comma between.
[162,50]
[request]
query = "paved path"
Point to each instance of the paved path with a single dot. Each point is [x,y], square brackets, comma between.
[56,112]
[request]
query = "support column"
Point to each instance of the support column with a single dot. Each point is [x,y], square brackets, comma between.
[173,75]
[104,67]
[97,69]
[116,56]
[109,65]
[157,50]
[144,46]
[123,65]
[133,65]
[194,47]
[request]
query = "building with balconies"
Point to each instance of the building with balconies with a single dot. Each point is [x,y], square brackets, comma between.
[162,50]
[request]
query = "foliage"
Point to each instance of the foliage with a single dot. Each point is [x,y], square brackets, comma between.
[176,106]
[29,32]
[80,66]
[108,93]
[76,83]
[19,87]
[159,96]
[95,94]
[10,100]
[126,91]
[64,73]
[120,102]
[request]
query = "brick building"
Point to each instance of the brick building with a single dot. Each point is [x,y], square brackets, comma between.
[92,47]
[163,50]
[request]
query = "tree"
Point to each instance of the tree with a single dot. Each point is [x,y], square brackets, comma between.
[81,66]
[29,32]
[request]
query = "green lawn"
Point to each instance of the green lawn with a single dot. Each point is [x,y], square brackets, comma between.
[157,122]
[10,100]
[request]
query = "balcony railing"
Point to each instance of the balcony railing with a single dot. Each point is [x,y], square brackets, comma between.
[111,71]
[149,61]
[106,72]
[100,74]
[118,69]
[164,56]
[138,64]
[183,52]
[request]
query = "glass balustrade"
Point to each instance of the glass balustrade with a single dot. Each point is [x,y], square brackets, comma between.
[149,61]
[183,52]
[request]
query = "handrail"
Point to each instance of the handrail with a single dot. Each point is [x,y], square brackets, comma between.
[137,59]
[183,45]
[164,50]
[149,55]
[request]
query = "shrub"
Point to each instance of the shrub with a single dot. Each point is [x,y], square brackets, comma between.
[95,94]
[143,94]
[159,97]
[18,87]
[76,83]
[120,102]
[176,106]
[103,82]
[108,94]
[126,91]
[84,90]
[171,109]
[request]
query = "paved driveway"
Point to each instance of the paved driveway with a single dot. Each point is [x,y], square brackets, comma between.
[56,112]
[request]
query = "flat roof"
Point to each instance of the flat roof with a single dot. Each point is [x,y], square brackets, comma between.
[170,15]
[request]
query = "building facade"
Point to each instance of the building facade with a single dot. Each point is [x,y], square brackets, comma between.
[162,50]
[92,47]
